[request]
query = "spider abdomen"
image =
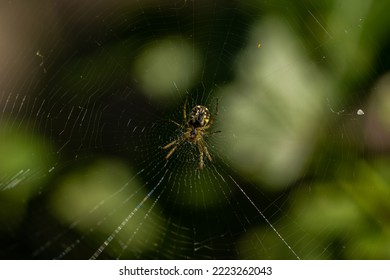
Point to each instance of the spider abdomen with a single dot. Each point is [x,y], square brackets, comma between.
[199,117]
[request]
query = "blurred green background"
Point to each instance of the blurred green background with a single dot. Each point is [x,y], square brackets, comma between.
[86,94]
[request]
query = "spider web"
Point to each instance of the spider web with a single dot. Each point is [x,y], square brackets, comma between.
[87,101]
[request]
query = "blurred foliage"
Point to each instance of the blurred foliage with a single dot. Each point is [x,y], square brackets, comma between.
[23,156]
[276,123]
[90,193]
[169,66]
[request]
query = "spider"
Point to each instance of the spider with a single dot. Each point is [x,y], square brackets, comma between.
[194,129]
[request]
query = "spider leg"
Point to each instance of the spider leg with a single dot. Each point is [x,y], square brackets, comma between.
[175,144]
[179,125]
[211,133]
[201,161]
[185,110]
[206,151]
[171,152]
[170,144]
[214,116]
[202,148]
